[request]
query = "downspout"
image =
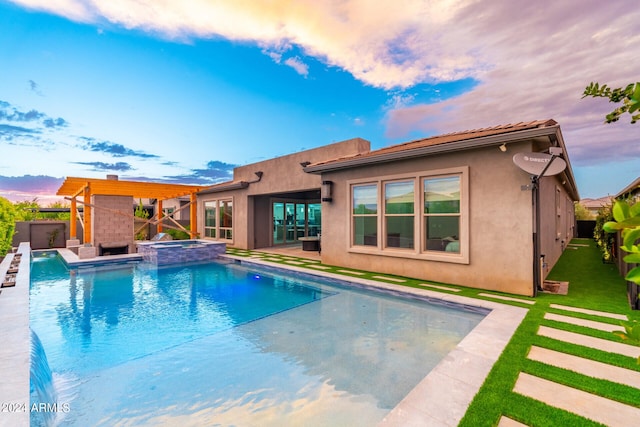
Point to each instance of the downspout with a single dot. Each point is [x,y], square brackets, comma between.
[535,196]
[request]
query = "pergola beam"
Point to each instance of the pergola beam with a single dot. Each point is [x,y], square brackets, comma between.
[87,187]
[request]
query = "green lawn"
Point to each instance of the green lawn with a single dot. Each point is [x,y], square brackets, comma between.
[592,285]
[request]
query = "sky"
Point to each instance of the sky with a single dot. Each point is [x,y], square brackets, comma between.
[183,91]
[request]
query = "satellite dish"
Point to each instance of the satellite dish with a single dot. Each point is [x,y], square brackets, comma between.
[534,163]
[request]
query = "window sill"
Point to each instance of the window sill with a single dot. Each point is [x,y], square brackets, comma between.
[452,258]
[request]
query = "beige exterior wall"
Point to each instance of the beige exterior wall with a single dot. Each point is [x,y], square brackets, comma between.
[251,210]
[557,221]
[500,223]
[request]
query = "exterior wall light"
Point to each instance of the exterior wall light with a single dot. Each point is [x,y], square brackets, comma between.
[503,148]
[325,191]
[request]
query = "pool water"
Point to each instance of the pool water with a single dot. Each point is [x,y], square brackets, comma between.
[221,343]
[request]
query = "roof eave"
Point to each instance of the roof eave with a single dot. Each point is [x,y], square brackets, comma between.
[467,144]
[224,187]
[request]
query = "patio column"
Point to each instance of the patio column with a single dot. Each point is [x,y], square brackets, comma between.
[87,214]
[73,233]
[193,216]
[159,215]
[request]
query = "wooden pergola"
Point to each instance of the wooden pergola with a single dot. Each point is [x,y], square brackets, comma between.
[73,187]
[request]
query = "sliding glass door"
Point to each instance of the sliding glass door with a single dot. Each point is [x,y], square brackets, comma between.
[293,220]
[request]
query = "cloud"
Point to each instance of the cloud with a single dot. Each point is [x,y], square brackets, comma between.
[30,183]
[29,187]
[9,113]
[113,149]
[214,172]
[9,132]
[540,64]
[103,166]
[529,60]
[297,64]
[383,44]
[35,88]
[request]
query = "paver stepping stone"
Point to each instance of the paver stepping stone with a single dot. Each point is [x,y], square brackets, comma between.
[587,311]
[607,327]
[444,288]
[357,273]
[584,366]
[596,408]
[319,267]
[524,301]
[587,341]
[391,279]
[508,422]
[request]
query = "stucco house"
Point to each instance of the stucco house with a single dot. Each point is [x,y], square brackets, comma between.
[453,208]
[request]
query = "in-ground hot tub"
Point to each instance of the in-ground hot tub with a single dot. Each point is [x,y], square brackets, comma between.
[180,251]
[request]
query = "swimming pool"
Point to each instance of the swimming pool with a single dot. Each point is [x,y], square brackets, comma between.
[220,343]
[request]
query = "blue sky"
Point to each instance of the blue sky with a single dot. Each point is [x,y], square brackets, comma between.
[183,91]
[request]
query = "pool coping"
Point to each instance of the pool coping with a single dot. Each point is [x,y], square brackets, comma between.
[15,352]
[443,396]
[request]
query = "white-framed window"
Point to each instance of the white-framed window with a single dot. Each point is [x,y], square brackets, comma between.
[364,215]
[441,213]
[423,215]
[399,214]
[218,219]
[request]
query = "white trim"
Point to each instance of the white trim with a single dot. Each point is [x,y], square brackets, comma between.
[217,226]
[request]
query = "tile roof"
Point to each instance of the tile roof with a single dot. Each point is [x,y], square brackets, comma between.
[446,139]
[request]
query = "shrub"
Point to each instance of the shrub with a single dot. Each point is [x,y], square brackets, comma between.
[7,225]
[178,234]
[604,240]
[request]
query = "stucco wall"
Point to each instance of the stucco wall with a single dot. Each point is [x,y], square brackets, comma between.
[557,220]
[500,223]
[279,175]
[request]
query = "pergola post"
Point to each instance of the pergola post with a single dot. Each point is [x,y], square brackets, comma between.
[193,216]
[87,213]
[73,233]
[159,215]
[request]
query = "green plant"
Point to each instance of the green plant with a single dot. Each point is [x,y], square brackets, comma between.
[627,221]
[52,237]
[26,210]
[7,225]
[178,234]
[629,96]
[604,240]
[631,333]
[141,213]
[581,212]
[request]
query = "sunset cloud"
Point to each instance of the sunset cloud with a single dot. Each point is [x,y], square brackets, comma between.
[384,44]
[388,71]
